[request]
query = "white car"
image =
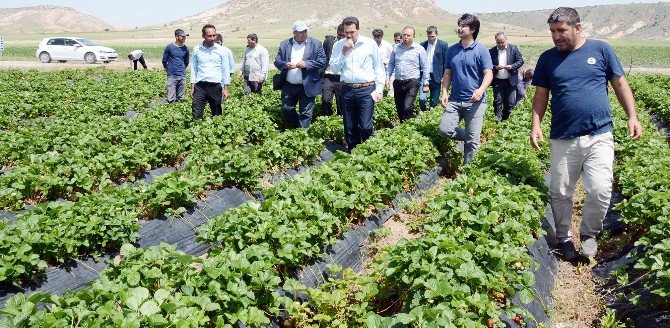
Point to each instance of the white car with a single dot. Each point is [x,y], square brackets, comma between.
[68,48]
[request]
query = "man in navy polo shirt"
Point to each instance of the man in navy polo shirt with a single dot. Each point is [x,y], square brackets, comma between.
[175,60]
[576,73]
[469,70]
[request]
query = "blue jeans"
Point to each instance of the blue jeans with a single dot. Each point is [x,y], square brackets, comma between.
[291,94]
[357,114]
[473,114]
[435,89]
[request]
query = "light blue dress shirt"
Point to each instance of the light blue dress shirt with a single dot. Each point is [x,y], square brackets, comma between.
[409,63]
[231,59]
[362,64]
[210,64]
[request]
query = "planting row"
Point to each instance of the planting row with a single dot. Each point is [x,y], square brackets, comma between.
[261,243]
[26,95]
[469,260]
[644,178]
[60,231]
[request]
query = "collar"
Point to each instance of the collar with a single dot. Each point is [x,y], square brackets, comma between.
[470,46]
[293,41]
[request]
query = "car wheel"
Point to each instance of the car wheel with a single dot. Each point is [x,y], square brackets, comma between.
[89,57]
[45,57]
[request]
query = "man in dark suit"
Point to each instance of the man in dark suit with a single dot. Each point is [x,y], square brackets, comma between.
[331,80]
[436,50]
[506,60]
[300,60]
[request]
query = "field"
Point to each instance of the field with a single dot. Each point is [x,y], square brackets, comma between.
[632,53]
[76,147]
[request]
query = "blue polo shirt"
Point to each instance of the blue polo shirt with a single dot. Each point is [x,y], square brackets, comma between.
[467,67]
[578,84]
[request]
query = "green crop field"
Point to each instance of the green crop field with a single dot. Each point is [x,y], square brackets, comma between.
[75,144]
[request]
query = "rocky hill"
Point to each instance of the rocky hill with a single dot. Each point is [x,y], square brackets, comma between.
[634,21]
[48,19]
[276,16]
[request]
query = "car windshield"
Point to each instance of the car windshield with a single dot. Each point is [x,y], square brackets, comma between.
[86,42]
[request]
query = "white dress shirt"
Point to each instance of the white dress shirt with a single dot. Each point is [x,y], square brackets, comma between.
[430,52]
[363,63]
[294,75]
[502,61]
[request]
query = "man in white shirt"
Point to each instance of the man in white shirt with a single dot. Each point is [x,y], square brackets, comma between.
[300,60]
[254,66]
[437,51]
[134,57]
[359,63]
[507,60]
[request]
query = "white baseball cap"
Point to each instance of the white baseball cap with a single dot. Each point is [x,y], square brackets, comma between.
[299,26]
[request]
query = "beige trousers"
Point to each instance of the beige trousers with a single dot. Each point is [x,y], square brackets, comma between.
[592,158]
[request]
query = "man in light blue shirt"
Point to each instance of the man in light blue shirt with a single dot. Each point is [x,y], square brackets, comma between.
[210,74]
[361,70]
[410,63]
[469,71]
[229,53]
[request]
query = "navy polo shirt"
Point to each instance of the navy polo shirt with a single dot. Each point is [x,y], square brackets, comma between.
[467,67]
[578,84]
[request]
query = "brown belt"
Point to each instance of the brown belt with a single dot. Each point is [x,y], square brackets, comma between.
[358,85]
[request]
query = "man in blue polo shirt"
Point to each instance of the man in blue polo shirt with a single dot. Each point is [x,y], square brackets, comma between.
[576,73]
[469,71]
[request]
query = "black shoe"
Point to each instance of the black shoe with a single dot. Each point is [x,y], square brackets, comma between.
[567,250]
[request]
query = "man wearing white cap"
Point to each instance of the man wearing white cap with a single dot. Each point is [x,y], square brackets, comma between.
[300,60]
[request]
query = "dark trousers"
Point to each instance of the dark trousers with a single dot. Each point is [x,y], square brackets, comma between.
[141,60]
[504,96]
[404,94]
[291,94]
[210,92]
[435,89]
[357,113]
[331,86]
[252,86]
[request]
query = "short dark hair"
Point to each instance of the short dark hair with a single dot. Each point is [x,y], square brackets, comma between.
[206,27]
[378,33]
[340,28]
[351,21]
[252,37]
[564,14]
[431,29]
[472,22]
[409,28]
[219,37]
[397,34]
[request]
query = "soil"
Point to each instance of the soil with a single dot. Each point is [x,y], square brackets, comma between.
[399,226]
[577,303]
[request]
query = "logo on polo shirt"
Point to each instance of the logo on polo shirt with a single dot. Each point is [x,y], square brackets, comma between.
[591,61]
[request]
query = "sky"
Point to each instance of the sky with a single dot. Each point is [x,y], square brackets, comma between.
[133,13]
